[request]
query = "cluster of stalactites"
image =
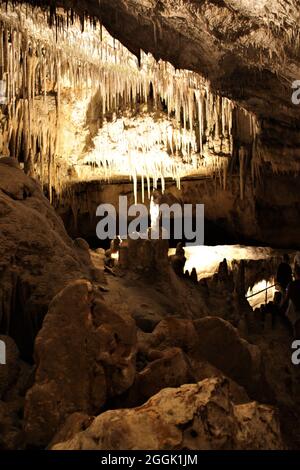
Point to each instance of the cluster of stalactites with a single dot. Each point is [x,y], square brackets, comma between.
[39,63]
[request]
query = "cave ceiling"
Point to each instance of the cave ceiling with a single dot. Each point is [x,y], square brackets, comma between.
[248,49]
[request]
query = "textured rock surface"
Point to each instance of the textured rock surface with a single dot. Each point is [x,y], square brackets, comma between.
[221,345]
[74,424]
[199,416]
[37,258]
[249,50]
[84,354]
[257,427]
[15,378]
[227,216]
[213,341]
[11,433]
[9,371]
[169,368]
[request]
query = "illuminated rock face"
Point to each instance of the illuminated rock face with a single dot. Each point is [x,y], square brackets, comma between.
[68,92]
[248,50]
[37,257]
[228,218]
[241,46]
[179,418]
[94,347]
[62,85]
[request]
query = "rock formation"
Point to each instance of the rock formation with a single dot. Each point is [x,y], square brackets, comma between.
[240,127]
[86,353]
[37,257]
[16,377]
[192,417]
[243,48]
[124,348]
[94,347]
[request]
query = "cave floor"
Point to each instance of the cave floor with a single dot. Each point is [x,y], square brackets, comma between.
[151,298]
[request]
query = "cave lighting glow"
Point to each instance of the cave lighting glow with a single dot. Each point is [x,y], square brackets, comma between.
[148,146]
[193,131]
[261,298]
[206,259]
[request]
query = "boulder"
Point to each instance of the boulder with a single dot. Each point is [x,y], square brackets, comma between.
[222,346]
[169,368]
[75,423]
[145,319]
[10,370]
[37,258]
[171,332]
[84,353]
[215,342]
[193,417]
[258,427]
[11,433]
[12,162]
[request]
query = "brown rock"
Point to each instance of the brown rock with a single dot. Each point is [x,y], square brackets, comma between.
[75,423]
[146,319]
[9,372]
[84,353]
[209,343]
[258,427]
[82,244]
[171,332]
[13,162]
[199,416]
[37,258]
[11,433]
[221,345]
[171,368]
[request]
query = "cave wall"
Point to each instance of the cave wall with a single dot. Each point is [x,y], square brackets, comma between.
[249,51]
[267,214]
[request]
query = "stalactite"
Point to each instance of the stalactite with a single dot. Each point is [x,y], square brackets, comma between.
[41,61]
[242,157]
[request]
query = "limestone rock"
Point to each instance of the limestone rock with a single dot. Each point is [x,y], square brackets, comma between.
[82,244]
[75,423]
[84,354]
[37,258]
[170,368]
[258,427]
[15,378]
[212,342]
[13,162]
[193,417]
[9,372]
[171,332]
[11,433]
[145,319]
[222,346]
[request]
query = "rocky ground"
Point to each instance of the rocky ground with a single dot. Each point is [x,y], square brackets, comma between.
[129,359]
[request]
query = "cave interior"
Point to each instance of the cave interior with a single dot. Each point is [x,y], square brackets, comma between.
[182,102]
